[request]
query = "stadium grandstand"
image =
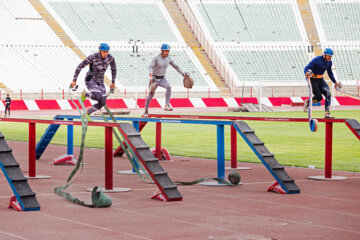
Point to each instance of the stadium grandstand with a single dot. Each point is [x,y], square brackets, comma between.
[226,45]
[260,43]
[337,23]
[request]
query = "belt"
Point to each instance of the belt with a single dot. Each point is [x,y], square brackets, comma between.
[316,76]
[158,77]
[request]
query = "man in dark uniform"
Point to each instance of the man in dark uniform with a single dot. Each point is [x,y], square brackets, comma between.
[7,104]
[315,70]
[95,76]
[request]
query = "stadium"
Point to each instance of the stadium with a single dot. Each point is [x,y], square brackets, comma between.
[230,154]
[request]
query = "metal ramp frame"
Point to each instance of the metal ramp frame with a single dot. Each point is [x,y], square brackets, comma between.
[47,137]
[266,157]
[151,164]
[119,151]
[18,182]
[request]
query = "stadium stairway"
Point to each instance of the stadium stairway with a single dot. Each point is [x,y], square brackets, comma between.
[5,88]
[191,40]
[267,158]
[311,30]
[60,32]
[18,182]
[310,26]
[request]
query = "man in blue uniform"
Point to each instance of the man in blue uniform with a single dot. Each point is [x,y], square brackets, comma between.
[95,76]
[315,70]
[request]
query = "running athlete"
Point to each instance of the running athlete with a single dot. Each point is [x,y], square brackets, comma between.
[157,71]
[315,70]
[94,80]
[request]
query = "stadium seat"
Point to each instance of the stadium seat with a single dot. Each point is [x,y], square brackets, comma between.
[338,20]
[115,21]
[273,64]
[255,21]
[32,68]
[347,63]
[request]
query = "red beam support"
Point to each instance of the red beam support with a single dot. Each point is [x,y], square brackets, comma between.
[108,158]
[32,147]
[328,148]
[233,139]
[158,140]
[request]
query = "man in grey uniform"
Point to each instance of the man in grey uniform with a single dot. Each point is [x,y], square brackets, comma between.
[95,76]
[157,71]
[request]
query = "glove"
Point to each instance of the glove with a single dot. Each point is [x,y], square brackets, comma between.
[309,73]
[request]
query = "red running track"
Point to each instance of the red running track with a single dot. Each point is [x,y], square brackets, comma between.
[323,210]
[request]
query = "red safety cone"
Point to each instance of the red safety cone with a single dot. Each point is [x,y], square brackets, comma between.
[159,196]
[275,187]
[15,204]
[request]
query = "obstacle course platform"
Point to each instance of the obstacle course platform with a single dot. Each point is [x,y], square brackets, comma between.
[266,157]
[18,182]
[151,164]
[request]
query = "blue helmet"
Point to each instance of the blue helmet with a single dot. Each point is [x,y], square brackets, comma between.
[104,47]
[165,46]
[328,51]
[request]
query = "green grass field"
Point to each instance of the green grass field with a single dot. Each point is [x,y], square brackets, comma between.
[292,143]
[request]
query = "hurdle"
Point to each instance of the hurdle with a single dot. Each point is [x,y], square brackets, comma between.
[136,121]
[352,124]
[260,150]
[32,143]
[227,120]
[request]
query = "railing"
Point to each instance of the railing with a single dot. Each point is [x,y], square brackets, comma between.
[208,45]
